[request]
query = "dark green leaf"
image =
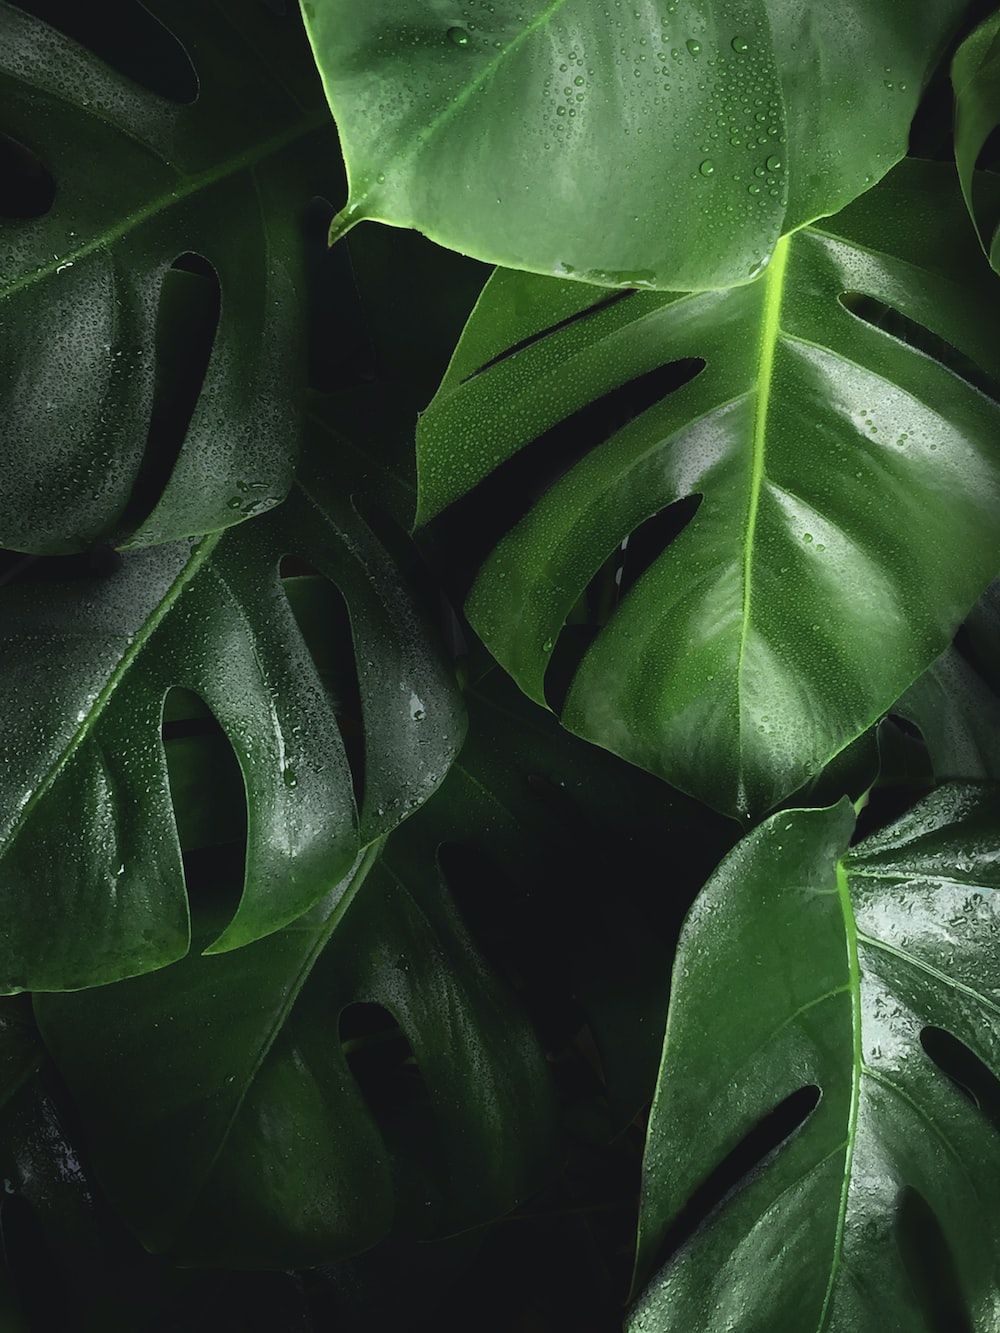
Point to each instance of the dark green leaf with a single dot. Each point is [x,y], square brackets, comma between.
[872,975]
[975,74]
[665,145]
[956,710]
[162,211]
[91,884]
[267,1154]
[848,479]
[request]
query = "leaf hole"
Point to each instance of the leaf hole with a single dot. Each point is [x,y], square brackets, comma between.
[889,320]
[616,576]
[382,1063]
[324,622]
[578,316]
[129,38]
[930,1265]
[478,520]
[187,322]
[208,795]
[738,1167]
[964,1069]
[27,190]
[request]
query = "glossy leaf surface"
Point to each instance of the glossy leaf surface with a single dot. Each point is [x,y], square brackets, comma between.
[173,223]
[873,976]
[91,884]
[267,1154]
[955,703]
[975,74]
[233,1067]
[661,144]
[847,484]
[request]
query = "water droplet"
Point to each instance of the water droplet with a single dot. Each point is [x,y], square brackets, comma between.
[807,536]
[693,46]
[740,45]
[707,168]
[773,163]
[579,81]
[458,37]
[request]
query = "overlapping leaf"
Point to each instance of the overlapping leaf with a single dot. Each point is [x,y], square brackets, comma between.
[659,144]
[849,487]
[162,210]
[267,1154]
[872,975]
[955,705]
[91,883]
[976,77]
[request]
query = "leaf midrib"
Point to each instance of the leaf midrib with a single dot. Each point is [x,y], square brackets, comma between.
[857,1066]
[185,189]
[770,331]
[199,554]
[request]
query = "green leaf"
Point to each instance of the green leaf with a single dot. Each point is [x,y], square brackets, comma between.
[954,704]
[975,74]
[91,883]
[558,821]
[267,1155]
[848,486]
[102,301]
[805,963]
[231,1064]
[663,145]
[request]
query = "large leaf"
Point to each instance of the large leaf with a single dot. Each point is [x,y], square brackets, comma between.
[106,436]
[267,1155]
[976,77]
[865,973]
[658,144]
[91,883]
[232,1065]
[849,488]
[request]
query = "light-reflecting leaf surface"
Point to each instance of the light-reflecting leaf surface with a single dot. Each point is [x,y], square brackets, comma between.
[806,963]
[659,144]
[847,477]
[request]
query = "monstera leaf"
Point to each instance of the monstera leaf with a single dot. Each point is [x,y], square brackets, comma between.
[170,252]
[976,77]
[848,485]
[871,976]
[660,144]
[91,883]
[268,1155]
